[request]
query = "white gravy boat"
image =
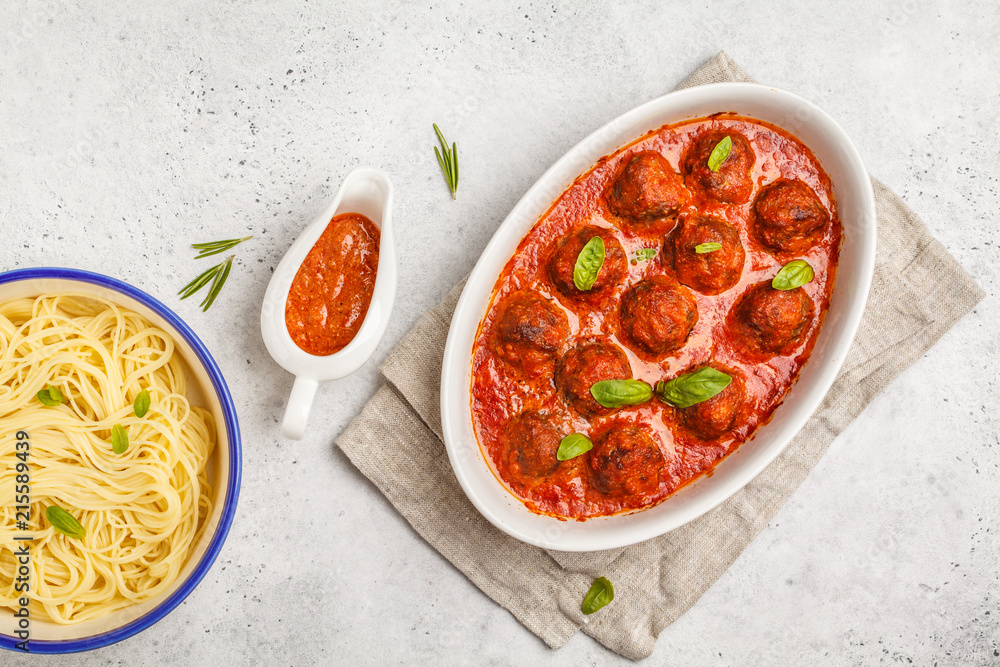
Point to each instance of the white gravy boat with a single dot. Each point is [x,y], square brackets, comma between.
[367,191]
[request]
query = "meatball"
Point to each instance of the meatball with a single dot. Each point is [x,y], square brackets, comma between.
[657,315]
[647,189]
[769,321]
[532,442]
[718,415]
[583,366]
[789,217]
[563,260]
[530,332]
[625,461]
[708,272]
[731,183]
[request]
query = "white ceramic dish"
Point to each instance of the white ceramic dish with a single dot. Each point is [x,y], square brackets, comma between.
[856,206]
[206,387]
[366,191]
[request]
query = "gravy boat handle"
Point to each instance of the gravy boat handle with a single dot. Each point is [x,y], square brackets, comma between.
[293,426]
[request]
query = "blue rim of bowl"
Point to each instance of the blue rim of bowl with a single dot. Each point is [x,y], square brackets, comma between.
[235,463]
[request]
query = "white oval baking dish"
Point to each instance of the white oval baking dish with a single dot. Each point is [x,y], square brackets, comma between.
[856,206]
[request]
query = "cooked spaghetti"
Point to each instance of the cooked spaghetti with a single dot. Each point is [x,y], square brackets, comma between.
[144,509]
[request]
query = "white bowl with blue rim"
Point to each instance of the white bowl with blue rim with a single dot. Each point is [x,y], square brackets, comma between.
[207,388]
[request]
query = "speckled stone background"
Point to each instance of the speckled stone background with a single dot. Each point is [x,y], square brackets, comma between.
[129,130]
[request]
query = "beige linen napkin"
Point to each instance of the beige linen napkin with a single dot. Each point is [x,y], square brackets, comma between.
[918,292]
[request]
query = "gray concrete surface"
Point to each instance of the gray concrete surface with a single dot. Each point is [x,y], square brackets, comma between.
[129,130]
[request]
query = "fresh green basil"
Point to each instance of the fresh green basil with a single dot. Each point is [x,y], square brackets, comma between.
[617,393]
[600,594]
[573,445]
[588,264]
[644,254]
[141,404]
[692,388]
[119,439]
[711,246]
[50,396]
[794,274]
[720,153]
[65,522]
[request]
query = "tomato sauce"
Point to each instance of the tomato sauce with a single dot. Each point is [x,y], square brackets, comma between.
[333,288]
[499,393]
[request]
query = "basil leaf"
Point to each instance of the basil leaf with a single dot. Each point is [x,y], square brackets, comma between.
[50,396]
[65,522]
[141,404]
[616,393]
[720,153]
[794,274]
[119,439]
[573,445]
[644,254]
[600,594]
[692,388]
[588,263]
[711,246]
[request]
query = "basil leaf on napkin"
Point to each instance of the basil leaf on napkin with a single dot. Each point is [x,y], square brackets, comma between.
[600,594]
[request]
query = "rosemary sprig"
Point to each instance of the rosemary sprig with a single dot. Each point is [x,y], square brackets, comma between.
[448,159]
[217,275]
[215,247]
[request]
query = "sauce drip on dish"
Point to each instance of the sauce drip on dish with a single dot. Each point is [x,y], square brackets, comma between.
[704,299]
[332,290]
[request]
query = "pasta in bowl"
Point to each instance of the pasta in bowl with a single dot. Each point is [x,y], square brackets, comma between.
[119,460]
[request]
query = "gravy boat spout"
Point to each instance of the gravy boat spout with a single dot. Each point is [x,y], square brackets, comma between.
[367,191]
